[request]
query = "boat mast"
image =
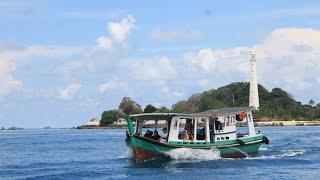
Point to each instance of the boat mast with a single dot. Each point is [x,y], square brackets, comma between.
[254,96]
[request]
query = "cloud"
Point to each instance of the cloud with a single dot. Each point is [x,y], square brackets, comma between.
[203,60]
[7,83]
[119,32]
[153,68]
[112,85]
[286,58]
[170,35]
[69,92]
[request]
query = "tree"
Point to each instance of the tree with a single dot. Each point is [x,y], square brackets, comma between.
[163,110]
[128,106]
[150,109]
[109,117]
[311,102]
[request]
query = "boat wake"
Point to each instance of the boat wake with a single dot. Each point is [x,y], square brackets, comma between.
[281,154]
[194,154]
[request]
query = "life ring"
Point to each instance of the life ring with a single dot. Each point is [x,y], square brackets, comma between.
[242,116]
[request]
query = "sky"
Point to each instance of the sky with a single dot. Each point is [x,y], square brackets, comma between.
[64,62]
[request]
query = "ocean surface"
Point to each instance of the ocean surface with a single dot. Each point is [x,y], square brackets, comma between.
[293,153]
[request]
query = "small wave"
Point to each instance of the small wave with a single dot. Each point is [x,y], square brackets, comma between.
[127,155]
[194,154]
[281,154]
[263,148]
[291,153]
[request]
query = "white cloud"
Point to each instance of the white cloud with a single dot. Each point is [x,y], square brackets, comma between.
[112,85]
[105,42]
[120,31]
[169,35]
[203,60]
[7,83]
[154,68]
[69,92]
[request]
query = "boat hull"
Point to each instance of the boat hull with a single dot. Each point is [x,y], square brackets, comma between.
[146,149]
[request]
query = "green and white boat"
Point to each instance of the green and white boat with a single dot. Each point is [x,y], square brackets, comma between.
[213,129]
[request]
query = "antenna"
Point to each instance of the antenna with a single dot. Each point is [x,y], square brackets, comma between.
[254,95]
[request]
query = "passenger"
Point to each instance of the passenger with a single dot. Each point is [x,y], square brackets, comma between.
[188,126]
[185,135]
[201,135]
[190,136]
[148,134]
[165,133]
[163,138]
[218,125]
[155,135]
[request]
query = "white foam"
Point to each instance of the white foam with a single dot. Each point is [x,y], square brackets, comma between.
[263,148]
[194,154]
[281,154]
[127,155]
[291,153]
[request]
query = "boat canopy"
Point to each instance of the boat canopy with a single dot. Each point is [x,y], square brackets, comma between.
[223,111]
[155,116]
[212,113]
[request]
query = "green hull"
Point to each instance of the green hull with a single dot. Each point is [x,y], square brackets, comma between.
[145,149]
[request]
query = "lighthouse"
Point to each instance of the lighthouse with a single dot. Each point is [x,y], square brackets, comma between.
[254,96]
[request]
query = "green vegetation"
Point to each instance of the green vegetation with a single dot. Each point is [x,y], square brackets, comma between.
[108,117]
[150,109]
[276,104]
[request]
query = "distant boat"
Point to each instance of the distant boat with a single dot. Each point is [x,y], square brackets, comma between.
[2,128]
[47,127]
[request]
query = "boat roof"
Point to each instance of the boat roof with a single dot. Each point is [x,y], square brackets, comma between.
[212,112]
[223,111]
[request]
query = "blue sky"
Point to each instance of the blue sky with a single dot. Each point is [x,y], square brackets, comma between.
[62,63]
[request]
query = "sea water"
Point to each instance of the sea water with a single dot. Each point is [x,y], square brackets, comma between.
[293,153]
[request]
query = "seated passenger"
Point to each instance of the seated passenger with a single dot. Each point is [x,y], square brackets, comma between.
[191,136]
[148,134]
[155,135]
[201,135]
[185,135]
[218,125]
[165,133]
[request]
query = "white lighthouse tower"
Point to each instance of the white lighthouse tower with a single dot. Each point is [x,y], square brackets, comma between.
[254,96]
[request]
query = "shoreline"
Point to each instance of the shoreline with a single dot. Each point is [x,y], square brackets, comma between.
[239,124]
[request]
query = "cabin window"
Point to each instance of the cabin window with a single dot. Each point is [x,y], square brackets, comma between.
[186,129]
[218,139]
[227,138]
[201,129]
[222,138]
